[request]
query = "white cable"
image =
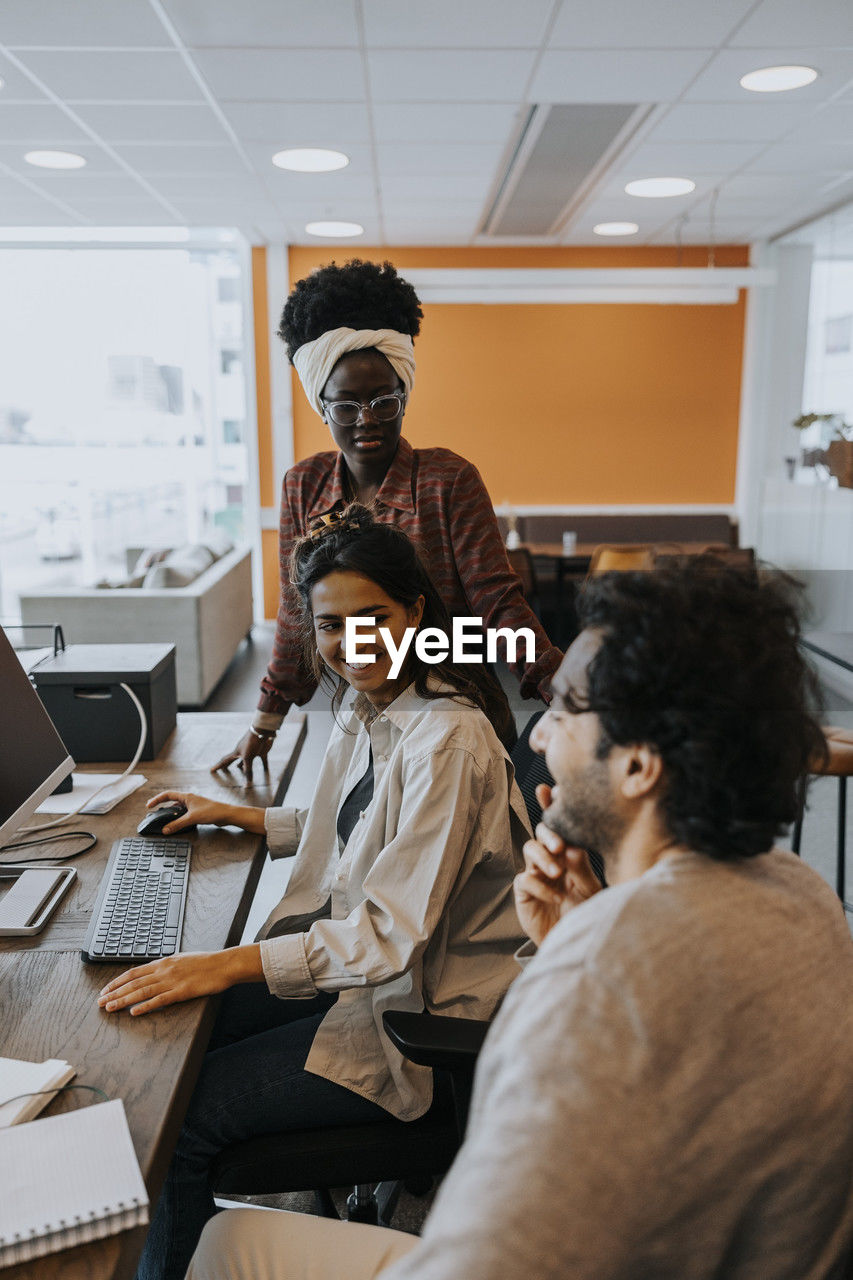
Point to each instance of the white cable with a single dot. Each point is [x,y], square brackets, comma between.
[66,817]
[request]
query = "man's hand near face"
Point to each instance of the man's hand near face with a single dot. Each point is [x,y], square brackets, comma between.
[556,877]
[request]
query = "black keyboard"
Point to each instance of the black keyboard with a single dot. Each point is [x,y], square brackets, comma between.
[139,912]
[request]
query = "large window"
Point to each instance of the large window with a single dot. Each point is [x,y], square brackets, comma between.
[122,409]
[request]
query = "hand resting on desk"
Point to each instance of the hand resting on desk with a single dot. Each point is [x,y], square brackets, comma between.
[182,977]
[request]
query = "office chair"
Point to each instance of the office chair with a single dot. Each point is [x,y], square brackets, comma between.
[389,1152]
[521,561]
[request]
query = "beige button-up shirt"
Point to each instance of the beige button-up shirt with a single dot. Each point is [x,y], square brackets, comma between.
[422,915]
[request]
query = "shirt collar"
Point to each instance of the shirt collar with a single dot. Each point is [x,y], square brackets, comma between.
[405,708]
[396,490]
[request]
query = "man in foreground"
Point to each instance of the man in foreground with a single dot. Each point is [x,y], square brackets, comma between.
[666,1090]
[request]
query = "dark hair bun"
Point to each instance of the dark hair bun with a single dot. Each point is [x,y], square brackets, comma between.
[358,295]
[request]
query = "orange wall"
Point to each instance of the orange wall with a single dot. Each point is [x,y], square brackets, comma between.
[557,404]
[629,404]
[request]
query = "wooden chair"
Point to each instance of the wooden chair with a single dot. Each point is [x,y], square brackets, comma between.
[838,764]
[617,557]
[733,557]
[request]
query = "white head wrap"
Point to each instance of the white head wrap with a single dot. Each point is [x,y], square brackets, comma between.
[314,361]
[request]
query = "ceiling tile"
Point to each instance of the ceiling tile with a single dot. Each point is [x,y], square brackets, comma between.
[300,124]
[141,211]
[469,122]
[792,23]
[16,86]
[832,123]
[615,75]
[683,159]
[429,76]
[447,24]
[124,122]
[261,154]
[71,186]
[276,75]
[114,77]
[180,185]
[32,213]
[805,157]
[720,81]
[181,157]
[38,123]
[656,24]
[84,23]
[263,24]
[753,121]
[415,187]
[426,161]
[341,185]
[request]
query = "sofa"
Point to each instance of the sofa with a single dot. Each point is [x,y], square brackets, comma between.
[206,618]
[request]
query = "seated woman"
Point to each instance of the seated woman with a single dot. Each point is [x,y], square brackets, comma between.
[400,897]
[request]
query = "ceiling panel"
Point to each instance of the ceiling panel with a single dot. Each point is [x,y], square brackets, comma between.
[429,161]
[300,124]
[683,159]
[37,123]
[110,76]
[616,75]
[805,157]
[84,23]
[17,87]
[263,24]
[659,24]
[447,24]
[469,122]
[476,76]
[128,122]
[311,75]
[181,157]
[98,161]
[756,120]
[795,24]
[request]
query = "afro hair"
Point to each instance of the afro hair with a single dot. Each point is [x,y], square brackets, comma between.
[358,295]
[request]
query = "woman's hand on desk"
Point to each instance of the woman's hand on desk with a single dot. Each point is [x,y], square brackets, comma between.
[175,978]
[202,810]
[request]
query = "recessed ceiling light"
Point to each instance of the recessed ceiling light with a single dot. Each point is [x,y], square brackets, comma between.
[655,188]
[777,79]
[310,160]
[335,230]
[55,159]
[615,229]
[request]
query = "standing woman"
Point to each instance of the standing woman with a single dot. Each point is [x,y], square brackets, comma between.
[400,895]
[349,334]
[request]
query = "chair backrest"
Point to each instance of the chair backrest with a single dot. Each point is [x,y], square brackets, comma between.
[609,557]
[521,561]
[734,557]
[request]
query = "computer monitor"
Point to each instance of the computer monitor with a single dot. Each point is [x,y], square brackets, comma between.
[33,757]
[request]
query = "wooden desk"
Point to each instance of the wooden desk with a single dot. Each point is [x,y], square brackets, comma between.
[48,996]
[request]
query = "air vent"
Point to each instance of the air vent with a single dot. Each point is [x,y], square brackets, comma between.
[562,149]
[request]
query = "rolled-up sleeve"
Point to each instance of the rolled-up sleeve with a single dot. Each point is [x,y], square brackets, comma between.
[284,830]
[404,893]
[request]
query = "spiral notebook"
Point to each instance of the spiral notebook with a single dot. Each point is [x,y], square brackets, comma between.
[66,1180]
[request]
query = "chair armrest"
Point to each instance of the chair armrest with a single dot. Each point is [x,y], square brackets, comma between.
[432,1040]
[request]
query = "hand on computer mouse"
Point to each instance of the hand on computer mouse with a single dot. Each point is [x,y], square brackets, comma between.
[176,811]
[164,820]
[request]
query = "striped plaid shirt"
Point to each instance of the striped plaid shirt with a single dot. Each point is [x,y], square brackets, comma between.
[440,501]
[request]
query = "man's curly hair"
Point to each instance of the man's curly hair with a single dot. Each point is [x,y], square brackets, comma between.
[703,663]
[358,295]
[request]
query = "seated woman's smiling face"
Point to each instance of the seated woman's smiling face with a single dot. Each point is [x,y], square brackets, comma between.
[347,594]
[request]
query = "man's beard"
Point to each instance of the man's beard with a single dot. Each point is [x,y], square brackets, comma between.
[585,814]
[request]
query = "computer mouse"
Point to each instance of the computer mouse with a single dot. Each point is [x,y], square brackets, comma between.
[154,822]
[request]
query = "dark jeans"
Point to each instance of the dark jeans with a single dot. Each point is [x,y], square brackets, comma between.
[252,1081]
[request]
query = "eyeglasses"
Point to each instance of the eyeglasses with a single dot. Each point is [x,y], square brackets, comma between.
[346,413]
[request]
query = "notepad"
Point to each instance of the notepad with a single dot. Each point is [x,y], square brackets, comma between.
[18,1077]
[66,1180]
[85,785]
